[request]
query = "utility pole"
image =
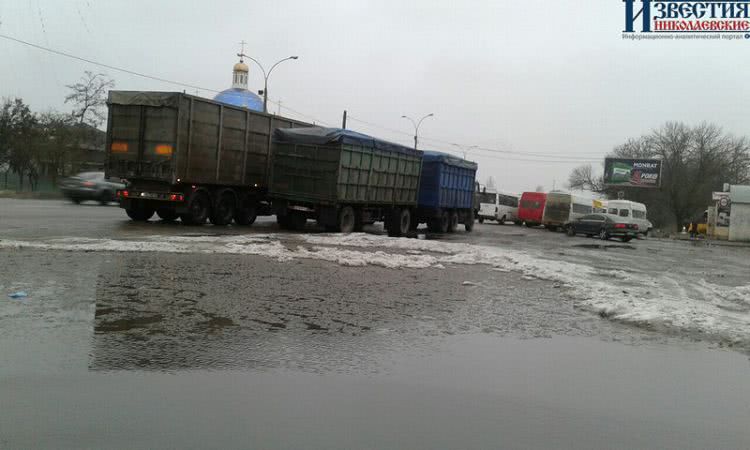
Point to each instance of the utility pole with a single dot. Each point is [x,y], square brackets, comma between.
[343,122]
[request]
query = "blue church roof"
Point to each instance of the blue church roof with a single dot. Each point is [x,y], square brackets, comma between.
[240,97]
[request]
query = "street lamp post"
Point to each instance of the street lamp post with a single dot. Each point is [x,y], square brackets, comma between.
[465,149]
[266,75]
[416,126]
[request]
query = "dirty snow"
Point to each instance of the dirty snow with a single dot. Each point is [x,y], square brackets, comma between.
[656,301]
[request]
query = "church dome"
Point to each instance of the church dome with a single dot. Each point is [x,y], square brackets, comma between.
[240,97]
[239,94]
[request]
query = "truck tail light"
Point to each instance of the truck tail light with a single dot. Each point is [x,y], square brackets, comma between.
[163,149]
[119,147]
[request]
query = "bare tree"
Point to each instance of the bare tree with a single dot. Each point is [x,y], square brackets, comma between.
[695,161]
[582,177]
[539,188]
[89,96]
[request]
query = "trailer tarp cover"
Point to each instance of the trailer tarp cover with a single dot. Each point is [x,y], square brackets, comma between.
[327,136]
[445,158]
[141,98]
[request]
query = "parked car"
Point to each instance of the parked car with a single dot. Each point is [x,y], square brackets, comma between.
[604,226]
[91,186]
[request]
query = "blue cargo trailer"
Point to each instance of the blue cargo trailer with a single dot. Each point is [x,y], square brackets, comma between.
[446,193]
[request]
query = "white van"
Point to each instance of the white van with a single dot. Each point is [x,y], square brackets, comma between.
[507,207]
[635,213]
[501,206]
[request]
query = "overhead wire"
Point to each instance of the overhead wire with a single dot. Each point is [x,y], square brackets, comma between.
[542,157]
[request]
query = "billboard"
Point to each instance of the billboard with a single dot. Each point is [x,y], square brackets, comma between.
[624,172]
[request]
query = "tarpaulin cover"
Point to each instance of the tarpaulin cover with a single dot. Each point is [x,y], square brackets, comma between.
[327,136]
[145,98]
[445,158]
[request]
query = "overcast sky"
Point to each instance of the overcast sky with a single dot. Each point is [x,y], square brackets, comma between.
[533,76]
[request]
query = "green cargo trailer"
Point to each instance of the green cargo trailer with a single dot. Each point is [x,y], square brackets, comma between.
[189,157]
[342,179]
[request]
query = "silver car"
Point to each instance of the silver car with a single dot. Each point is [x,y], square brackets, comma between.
[91,186]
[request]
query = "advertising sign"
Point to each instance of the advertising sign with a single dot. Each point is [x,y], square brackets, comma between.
[645,173]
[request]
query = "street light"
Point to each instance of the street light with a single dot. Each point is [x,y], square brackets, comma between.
[266,75]
[465,149]
[416,126]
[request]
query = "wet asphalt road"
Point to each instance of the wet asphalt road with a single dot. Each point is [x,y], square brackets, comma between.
[159,349]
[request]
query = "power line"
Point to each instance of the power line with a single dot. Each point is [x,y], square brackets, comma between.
[108,66]
[563,158]
[143,75]
[558,158]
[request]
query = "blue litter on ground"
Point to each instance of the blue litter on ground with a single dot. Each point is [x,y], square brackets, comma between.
[19,294]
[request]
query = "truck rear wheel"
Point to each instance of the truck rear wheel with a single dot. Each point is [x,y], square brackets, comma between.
[399,222]
[347,220]
[198,209]
[246,211]
[469,224]
[223,211]
[167,214]
[453,222]
[445,221]
[139,213]
[297,220]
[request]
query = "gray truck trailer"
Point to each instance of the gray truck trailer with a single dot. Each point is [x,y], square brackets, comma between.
[189,157]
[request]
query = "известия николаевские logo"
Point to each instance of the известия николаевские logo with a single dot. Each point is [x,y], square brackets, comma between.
[687,19]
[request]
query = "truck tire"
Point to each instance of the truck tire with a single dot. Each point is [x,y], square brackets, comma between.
[433,225]
[199,209]
[444,222]
[246,212]
[399,223]
[139,213]
[359,225]
[284,222]
[453,222]
[167,214]
[297,220]
[347,220]
[469,224]
[223,210]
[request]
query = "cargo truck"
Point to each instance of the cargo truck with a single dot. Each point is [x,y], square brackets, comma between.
[189,157]
[343,180]
[446,193]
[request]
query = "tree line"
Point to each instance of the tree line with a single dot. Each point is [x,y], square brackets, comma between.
[696,161]
[51,142]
